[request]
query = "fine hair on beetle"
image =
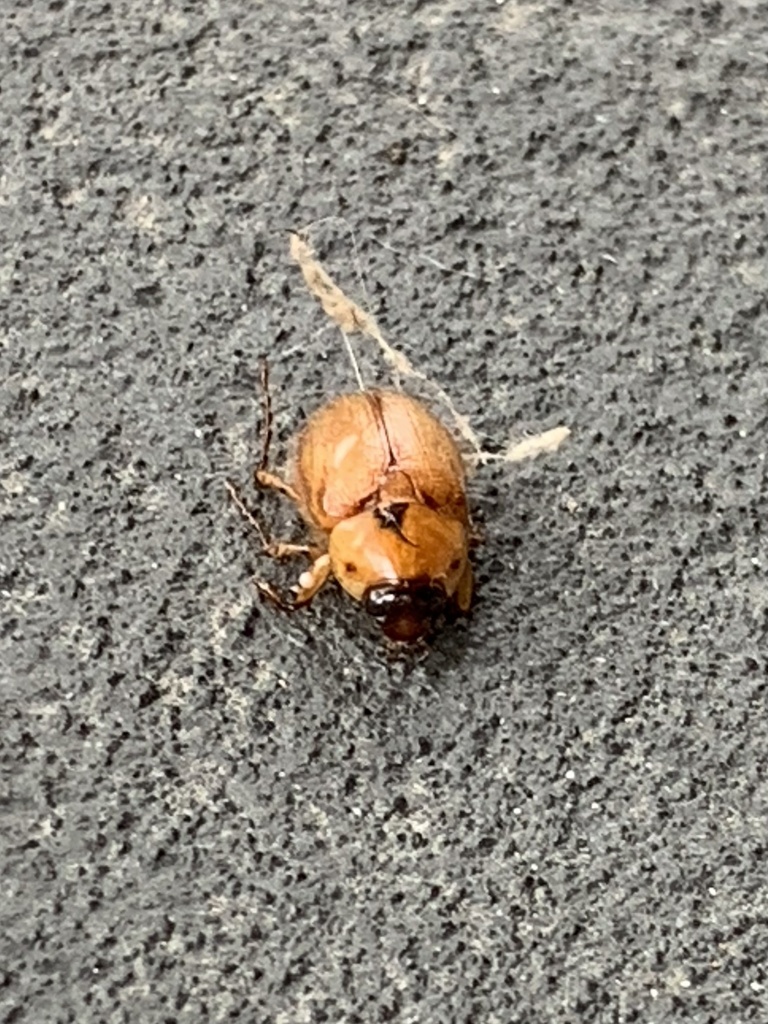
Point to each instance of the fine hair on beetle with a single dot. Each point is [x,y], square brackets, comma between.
[380,483]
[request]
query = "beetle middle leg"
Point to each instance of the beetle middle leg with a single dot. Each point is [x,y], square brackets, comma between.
[263,478]
[310,581]
[273,548]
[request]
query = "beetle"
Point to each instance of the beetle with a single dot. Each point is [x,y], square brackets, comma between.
[381,484]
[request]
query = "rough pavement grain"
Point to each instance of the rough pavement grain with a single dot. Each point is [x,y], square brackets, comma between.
[214,813]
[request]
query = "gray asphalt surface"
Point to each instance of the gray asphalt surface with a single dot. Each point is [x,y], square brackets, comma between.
[213,812]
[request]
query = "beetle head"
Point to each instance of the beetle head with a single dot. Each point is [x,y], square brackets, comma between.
[405,610]
[405,561]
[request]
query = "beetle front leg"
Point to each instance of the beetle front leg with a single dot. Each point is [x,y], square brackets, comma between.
[311,581]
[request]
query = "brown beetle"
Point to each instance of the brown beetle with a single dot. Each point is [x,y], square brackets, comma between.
[381,484]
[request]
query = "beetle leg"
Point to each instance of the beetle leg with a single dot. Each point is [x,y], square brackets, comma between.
[273,548]
[246,513]
[268,591]
[281,549]
[313,579]
[309,583]
[263,478]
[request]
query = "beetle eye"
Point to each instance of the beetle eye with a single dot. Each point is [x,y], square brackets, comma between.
[454,565]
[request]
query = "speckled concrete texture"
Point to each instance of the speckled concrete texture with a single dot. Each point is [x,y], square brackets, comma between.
[213,812]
